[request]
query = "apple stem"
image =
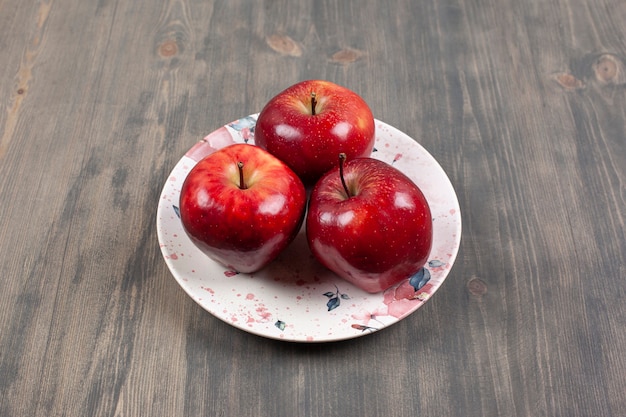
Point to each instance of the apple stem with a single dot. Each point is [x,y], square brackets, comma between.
[313,102]
[342,160]
[242,184]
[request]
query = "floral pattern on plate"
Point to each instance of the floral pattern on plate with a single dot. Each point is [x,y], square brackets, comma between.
[295,298]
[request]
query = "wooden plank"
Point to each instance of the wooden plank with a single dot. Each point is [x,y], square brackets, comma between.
[522,102]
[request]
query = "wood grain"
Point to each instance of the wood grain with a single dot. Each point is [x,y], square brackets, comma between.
[522,102]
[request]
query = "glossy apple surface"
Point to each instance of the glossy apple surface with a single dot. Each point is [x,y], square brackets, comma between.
[310,123]
[378,235]
[242,227]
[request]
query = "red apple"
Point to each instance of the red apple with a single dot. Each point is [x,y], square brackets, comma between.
[310,123]
[242,206]
[369,223]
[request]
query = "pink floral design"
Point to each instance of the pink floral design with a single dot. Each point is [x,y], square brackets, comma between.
[246,134]
[245,127]
[365,316]
[401,300]
[211,143]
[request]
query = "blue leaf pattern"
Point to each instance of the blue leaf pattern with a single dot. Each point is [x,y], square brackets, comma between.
[435,263]
[420,278]
[247,122]
[333,303]
[334,298]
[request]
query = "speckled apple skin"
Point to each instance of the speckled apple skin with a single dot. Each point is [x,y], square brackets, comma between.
[243,229]
[309,143]
[379,235]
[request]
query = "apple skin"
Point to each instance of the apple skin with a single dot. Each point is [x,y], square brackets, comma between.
[243,229]
[379,235]
[309,143]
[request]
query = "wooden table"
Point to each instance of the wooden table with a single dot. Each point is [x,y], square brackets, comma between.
[523,103]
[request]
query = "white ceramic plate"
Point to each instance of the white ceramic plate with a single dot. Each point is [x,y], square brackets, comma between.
[295,298]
